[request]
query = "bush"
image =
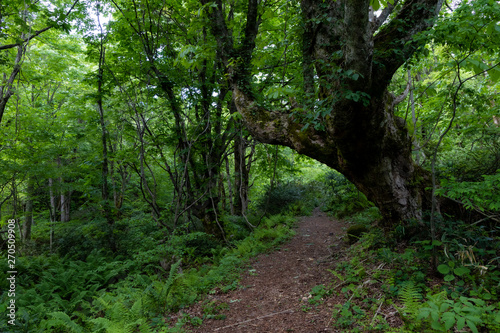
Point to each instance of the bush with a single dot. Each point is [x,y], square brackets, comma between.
[237,228]
[292,197]
[278,199]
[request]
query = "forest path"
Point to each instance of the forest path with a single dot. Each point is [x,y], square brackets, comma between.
[277,285]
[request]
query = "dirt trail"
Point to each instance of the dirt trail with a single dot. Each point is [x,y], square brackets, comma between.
[276,287]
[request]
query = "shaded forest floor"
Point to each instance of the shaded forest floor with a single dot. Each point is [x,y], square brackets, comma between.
[279,290]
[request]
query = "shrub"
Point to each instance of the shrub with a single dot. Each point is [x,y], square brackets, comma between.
[278,199]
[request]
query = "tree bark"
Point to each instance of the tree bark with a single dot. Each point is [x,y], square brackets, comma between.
[239,154]
[242,166]
[104,138]
[53,210]
[65,206]
[360,136]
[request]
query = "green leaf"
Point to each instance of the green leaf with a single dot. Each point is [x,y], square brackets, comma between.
[472,326]
[449,320]
[444,307]
[461,271]
[424,313]
[435,316]
[436,325]
[460,323]
[443,269]
[449,278]
[494,74]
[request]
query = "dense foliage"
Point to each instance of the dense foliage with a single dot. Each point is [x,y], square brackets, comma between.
[136,188]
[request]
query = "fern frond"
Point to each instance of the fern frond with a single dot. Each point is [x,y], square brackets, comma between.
[136,309]
[174,272]
[112,325]
[61,319]
[101,324]
[410,297]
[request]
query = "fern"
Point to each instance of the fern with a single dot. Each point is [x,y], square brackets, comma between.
[157,293]
[120,319]
[62,320]
[172,276]
[410,297]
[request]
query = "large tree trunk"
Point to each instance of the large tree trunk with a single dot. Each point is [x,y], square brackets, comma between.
[348,64]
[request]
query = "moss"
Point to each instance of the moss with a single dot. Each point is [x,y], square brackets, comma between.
[354,233]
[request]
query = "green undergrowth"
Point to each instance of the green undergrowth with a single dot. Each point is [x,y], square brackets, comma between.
[344,199]
[292,197]
[405,281]
[389,284]
[133,291]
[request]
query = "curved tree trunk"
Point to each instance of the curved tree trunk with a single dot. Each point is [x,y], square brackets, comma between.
[348,63]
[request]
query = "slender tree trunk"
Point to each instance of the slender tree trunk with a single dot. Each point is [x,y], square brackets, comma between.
[4,201]
[106,206]
[53,212]
[245,179]
[222,192]
[242,166]
[239,153]
[65,206]
[6,90]
[14,198]
[53,205]
[105,164]
[28,214]
[229,187]
[118,167]
[119,193]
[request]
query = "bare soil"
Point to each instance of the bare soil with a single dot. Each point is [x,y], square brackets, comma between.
[275,296]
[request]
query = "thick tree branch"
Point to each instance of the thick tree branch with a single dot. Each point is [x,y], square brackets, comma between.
[251,29]
[396,42]
[377,23]
[358,42]
[279,128]
[219,29]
